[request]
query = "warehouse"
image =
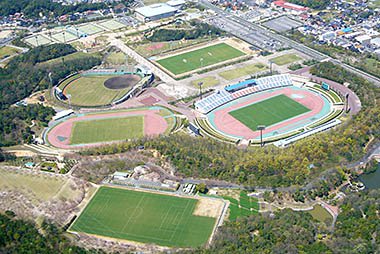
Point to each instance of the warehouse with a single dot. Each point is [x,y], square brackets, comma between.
[154,12]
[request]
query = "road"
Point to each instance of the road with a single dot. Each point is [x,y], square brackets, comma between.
[259,36]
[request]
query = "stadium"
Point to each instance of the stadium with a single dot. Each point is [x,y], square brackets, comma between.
[99,128]
[100,88]
[280,109]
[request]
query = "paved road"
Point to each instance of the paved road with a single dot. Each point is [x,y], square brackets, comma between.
[240,27]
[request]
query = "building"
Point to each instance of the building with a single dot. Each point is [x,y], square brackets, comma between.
[293,8]
[178,4]
[363,39]
[155,12]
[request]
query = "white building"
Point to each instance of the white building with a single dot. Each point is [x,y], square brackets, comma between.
[178,4]
[155,12]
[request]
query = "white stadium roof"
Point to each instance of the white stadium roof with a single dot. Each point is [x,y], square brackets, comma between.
[155,10]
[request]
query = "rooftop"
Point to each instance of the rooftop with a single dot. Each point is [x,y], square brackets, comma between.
[155,10]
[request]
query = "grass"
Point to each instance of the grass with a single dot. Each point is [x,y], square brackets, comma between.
[207,82]
[39,188]
[73,56]
[243,71]
[285,59]
[90,91]
[372,65]
[105,130]
[116,58]
[6,51]
[144,217]
[190,61]
[245,206]
[268,112]
[319,213]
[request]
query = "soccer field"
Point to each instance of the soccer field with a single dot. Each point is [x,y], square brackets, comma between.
[90,91]
[199,58]
[144,217]
[268,112]
[105,130]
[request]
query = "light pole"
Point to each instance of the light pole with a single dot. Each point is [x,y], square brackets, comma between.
[50,86]
[69,98]
[201,60]
[261,128]
[200,89]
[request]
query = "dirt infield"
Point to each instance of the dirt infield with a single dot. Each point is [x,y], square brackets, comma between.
[122,82]
[225,123]
[59,135]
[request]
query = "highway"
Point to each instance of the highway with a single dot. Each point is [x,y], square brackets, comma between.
[258,36]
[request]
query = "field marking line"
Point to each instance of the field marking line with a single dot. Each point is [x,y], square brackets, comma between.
[132,215]
[183,212]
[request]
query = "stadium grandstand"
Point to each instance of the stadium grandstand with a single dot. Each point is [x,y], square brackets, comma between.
[241,89]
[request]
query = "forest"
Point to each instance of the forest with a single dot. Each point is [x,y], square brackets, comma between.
[287,231]
[20,236]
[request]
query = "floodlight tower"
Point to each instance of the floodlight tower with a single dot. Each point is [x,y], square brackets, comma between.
[50,86]
[201,60]
[261,128]
[200,89]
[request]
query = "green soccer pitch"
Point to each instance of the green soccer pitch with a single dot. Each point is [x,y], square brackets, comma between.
[269,111]
[109,129]
[190,61]
[144,217]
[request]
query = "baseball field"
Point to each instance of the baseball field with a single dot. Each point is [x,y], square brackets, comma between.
[269,111]
[144,217]
[199,58]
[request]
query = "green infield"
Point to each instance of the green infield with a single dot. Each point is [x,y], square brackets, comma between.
[90,91]
[105,130]
[268,112]
[285,59]
[144,217]
[199,58]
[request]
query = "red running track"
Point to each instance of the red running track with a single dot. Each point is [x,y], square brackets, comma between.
[154,124]
[227,124]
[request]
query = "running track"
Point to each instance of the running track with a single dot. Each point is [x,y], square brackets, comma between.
[154,124]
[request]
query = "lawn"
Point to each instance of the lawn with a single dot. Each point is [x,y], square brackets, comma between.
[190,61]
[243,71]
[73,56]
[268,112]
[105,130]
[6,51]
[285,59]
[321,214]
[207,82]
[116,58]
[245,206]
[90,91]
[144,217]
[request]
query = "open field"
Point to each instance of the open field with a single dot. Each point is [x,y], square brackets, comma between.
[207,82]
[199,58]
[320,213]
[116,58]
[38,187]
[243,71]
[285,59]
[6,51]
[242,206]
[73,56]
[90,91]
[144,217]
[105,130]
[268,112]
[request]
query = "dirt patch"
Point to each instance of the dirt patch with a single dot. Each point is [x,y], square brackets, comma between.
[208,207]
[122,82]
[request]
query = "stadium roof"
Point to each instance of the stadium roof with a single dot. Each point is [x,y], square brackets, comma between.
[240,85]
[286,5]
[155,10]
